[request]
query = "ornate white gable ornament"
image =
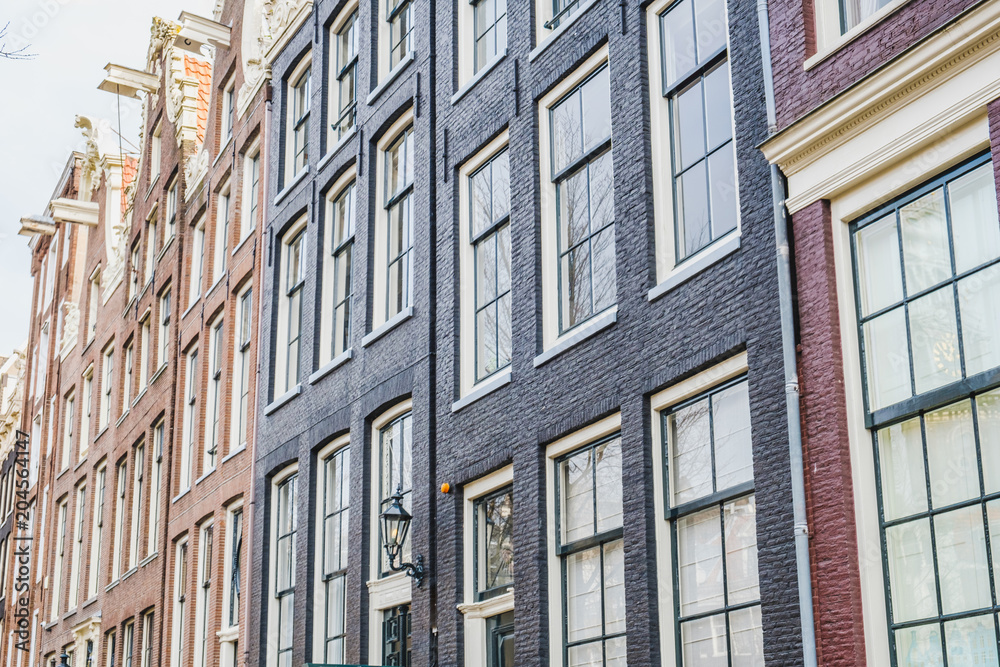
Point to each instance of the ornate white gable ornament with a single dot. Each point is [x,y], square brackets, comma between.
[71,328]
[268,25]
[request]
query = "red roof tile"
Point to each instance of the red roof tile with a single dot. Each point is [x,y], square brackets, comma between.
[129,169]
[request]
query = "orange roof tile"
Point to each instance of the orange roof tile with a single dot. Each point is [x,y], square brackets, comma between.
[202,71]
[129,169]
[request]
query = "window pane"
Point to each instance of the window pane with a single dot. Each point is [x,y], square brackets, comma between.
[699,562]
[731,430]
[919,646]
[501,183]
[614,588]
[497,546]
[971,641]
[614,652]
[741,550]
[678,42]
[602,192]
[689,127]
[691,460]
[567,132]
[693,231]
[951,454]
[605,281]
[574,210]
[880,280]
[609,485]
[596,94]
[888,364]
[486,273]
[925,242]
[486,348]
[722,176]
[482,201]
[704,642]
[901,461]
[911,571]
[719,120]
[587,655]
[583,594]
[746,637]
[504,337]
[710,16]
[935,340]
[988,412]
[979,303]
[974,224]
[503,259]
[577,489]
[576,298]
[962,563]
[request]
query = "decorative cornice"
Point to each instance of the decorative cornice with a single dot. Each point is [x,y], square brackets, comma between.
[924,67]
[195,170]
[128,82]
[36,224]
[85,213]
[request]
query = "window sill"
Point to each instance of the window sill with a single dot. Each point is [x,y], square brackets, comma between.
[140,395]
[109,587]
[62,472]
[148,559]
[104,429]
[180,495]
[228,635]
[478,76]
[128,306]
[83,459]
[68,614]
[852,34]
[233,453]
[714,253]
[390,77]
[331,366]
[391,324]
[563,27]
[222,150]
[158,373]
[130,573]
[284,398]
[243,242]
[336,149]
[487,386]
[89,602]
[218,281]
[486,608]
[390,591]
[200,479]
[299,177]
[121,419]
[166,245]
[152,185]
[585,331]
[194,302]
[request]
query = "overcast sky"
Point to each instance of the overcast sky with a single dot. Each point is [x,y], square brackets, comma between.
[73,40]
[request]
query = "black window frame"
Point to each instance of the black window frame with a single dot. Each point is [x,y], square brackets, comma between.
[340,460]
[290,537]
[346,116]
[402,197]
[405,420]
[342,252]
[477,504]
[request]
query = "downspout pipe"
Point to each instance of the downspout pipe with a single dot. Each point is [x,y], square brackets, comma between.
[803,568]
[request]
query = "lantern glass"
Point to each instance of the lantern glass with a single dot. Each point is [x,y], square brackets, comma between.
[395,526]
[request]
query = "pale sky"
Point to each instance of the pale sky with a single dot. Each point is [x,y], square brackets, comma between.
[73,40]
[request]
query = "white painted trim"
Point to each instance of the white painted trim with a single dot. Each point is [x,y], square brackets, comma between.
[284,398]
[328,273]
[390,77]
[388,326]
[331,366]
[330,154]
[577,335]
[478,76]
[484,388]
[692,266]
[319,619]
[291,185]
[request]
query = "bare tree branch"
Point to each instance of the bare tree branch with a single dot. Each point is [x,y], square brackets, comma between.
[16,54]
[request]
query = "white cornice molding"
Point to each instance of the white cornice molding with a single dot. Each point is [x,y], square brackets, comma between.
[924,67]
[282,20]
[197,31]
[85,213]
[128,82]
[36,224]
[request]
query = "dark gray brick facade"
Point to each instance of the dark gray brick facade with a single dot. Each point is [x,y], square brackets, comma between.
[728,308]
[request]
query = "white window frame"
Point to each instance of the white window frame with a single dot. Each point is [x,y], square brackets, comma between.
[380,263]
[385,47]
[146,656]
[107,385]
[338,112]
[170,208]
[565,445]
[282,382]
[57,569]
[121,476]
[475,612]
[151,243]
[138,483]
[155,144]
[97,530]
[203,600]
[156,454]
[177,621]
[163,335]
[227,112]
[251,190]
[190,421]
[234,514]
[273,620]
[144,359]
[95,300]
[75,568]
[470,68]
[86,412]
[243,368]
[197,275]
[339,447]
[222,232]
[128,644]
[467,270]
[134,272]
[69,417]
[129,376]
[297,126]
[330,345]
[216,350]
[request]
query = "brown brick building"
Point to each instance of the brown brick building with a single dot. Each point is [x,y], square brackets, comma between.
[141,370]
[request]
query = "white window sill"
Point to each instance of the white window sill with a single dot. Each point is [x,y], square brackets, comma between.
[230,634]
[299,177]
[331,366]
[391,324]
[284,398]
[158,373]
[218,281]
[852,34]
[180,495]
[202,478]
[390,591]
[488,608]
[243,242]
[194,302]
[142,392]
[222,150]
[130,573]
[694,265]
[487,386]
[583,332]
[478,76]
[166,245]
[390,77]
[235,452]
[336,149]
[121,419]
[563,27]
[148,559]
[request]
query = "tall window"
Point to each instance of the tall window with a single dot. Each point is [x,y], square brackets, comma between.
[232,583]
[853,12]
[490,25]
[180,604]
[342,249]
[400,17]
[139,465]
[151,244]
[163,337]
[395,473]
[154,495]
[106,384]
[297,129]
[590,553]
[134,278]
[128,643]
[202,646]
[154,154]
[228,110]
[171,213]
[345,111]
[396,636]
[127,384]
[582,173]
[70,416]
[116,554]
[111,650]
[88,402]
[215,351]
[75,569]
[489,194]
[57,572]
[146,657]
[291,308]
[696,87]
[494,538]
[197,261]
[190,421]
[97,532]
[927,285]
[95,300]
[241,386]
[286,525]
[335,498]
[221,235]
[399,222]
[144,353]
[709,471]
[251,187]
